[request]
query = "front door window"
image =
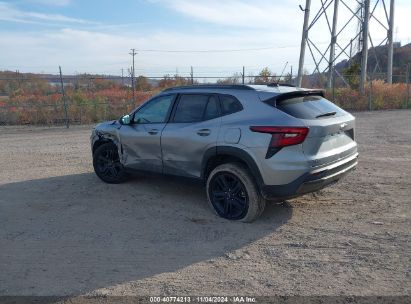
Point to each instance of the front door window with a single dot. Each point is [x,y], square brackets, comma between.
[156,111]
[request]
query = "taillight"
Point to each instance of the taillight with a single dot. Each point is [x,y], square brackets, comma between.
[282,136]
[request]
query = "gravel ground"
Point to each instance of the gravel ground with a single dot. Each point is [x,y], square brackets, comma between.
[64,232]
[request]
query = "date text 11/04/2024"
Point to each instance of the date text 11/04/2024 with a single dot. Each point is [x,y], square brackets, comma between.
[203,299]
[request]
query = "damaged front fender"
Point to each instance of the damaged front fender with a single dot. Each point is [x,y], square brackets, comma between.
[107,132]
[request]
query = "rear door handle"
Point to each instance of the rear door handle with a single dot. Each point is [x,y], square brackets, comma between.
[153,131]
[204,132]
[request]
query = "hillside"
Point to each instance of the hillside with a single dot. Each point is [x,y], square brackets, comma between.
[402,56]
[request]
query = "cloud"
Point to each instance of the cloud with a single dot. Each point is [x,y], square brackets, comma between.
[103,48]
[92,51]
[10,13]
[244,14]
[53,2]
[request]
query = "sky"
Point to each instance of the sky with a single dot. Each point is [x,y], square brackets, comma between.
[215,37]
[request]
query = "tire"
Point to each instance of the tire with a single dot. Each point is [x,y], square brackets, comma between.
[237,198]
[107,165]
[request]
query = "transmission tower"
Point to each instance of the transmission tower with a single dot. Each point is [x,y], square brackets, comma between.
[344,37]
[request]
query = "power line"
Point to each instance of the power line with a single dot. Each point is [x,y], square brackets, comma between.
[216,50]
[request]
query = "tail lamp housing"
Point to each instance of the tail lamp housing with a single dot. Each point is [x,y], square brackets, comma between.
[281,136]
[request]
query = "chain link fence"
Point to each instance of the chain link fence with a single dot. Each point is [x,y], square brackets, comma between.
[84,99]
[378,95]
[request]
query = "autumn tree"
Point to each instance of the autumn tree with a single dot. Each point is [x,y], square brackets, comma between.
[265,76]
[142,84]
[102,84]
[234,79]
[13,84]
[173,81]
[352,74]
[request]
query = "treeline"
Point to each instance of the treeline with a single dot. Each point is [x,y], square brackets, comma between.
[38,99]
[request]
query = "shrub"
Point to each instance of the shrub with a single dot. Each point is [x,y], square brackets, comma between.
[378,95]
[90,102]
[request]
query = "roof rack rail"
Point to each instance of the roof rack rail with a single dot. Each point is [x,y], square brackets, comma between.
[213,86]
[277,84]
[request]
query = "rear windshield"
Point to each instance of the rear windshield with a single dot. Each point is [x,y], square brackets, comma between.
[309,107]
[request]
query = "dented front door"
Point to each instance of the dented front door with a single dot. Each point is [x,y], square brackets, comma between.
[141,140]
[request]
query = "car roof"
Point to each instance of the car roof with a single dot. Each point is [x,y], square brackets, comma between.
[268,88]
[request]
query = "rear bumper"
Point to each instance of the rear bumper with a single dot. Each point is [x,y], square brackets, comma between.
[312,181]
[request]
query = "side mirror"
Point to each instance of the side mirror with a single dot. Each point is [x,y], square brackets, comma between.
[125,120]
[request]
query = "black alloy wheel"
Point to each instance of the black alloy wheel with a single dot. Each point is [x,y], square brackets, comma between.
[228,196]
[107,164]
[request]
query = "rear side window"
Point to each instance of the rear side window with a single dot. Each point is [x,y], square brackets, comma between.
[195,108]
[309,107]
[212,110]
[230,104]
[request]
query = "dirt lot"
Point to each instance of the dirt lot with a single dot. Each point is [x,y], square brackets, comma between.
[63,231]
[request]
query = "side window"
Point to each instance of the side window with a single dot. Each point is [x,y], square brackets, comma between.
[155,111]
[211,110]
[195,108]
[230,104]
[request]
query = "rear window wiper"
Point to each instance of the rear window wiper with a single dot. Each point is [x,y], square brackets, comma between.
[326,114]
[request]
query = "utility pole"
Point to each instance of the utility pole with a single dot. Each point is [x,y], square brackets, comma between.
[364,53]
[243,74]
[407,80]
[332,46]
[350,49]
[18,78]
[133,53]
[122,77]
[303,42]
[370,96]
[192,75]
[390,43]
[64,99]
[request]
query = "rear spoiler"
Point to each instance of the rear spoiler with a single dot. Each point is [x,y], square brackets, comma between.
[280,97]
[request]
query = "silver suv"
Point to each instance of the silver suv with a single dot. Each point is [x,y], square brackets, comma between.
[249,143]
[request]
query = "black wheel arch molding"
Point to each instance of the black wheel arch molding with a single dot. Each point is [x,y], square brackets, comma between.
[234,152]
[100,138]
